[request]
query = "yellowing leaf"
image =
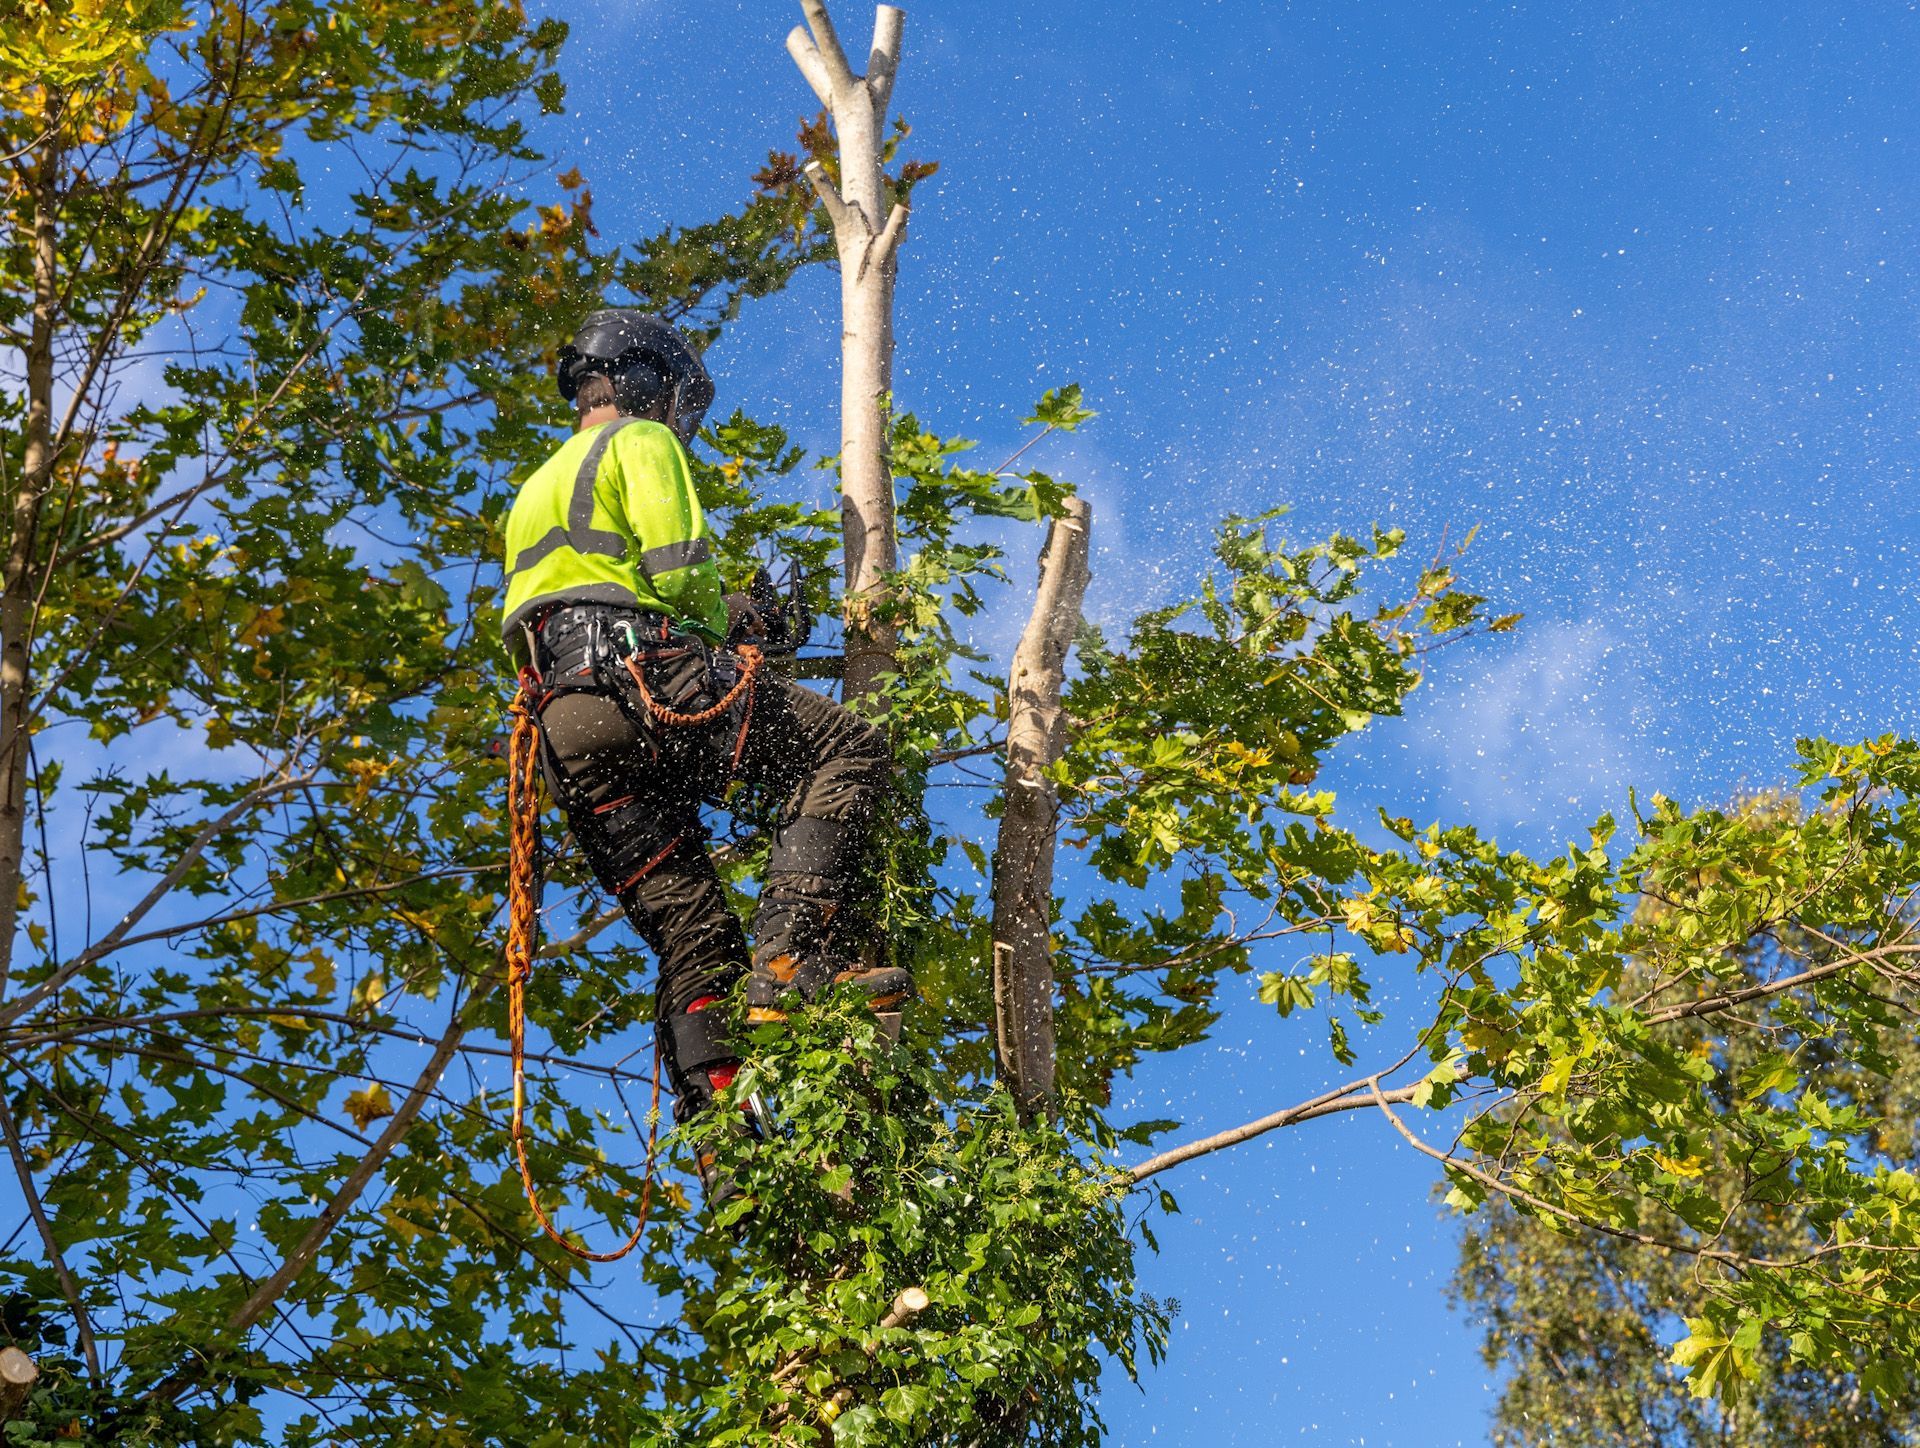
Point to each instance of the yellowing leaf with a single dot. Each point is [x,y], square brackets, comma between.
[1715,1363]
[1690,1166]
[1558,1074]
[264,624]
[369,1105]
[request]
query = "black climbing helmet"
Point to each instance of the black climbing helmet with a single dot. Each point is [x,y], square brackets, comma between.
[644,356]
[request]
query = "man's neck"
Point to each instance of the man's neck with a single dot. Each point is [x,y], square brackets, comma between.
[594,416]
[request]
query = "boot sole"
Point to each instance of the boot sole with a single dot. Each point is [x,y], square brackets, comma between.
[879,1005]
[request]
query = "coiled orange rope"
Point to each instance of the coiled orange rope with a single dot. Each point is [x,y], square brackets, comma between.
[523,920]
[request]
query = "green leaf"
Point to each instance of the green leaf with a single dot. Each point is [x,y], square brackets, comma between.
[1286,993]
[1774,1071]
[1061,408]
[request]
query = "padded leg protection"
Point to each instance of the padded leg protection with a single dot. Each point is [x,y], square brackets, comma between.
[807,876]
[794,915]
[795,952]
[676,901]
[628,839]
[695,1048]
[809,845]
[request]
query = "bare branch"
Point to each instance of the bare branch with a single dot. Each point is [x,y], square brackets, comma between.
[858,207]
[1713,1005]
[967,751]
[883,246]
[884,62]
[69,1288]
[1365,1092]
[1023,980]
[838,211]
[1014,456]
[1327,1103]
[833,57]
[807,56]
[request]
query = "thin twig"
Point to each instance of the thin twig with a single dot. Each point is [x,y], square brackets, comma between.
[68,1287]
[13,1010]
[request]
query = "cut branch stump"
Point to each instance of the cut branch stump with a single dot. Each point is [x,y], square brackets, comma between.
[1023,979]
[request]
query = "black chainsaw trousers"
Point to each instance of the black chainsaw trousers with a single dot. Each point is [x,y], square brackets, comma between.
[632,787]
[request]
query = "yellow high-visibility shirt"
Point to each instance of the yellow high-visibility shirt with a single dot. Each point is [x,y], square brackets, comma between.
[612,517]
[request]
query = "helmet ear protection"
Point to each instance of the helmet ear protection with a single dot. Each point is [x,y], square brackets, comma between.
[638,380]
[637,384]
[646,358]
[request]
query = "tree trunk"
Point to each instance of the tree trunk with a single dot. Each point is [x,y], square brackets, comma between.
[16,578]
[868,247]
[1023,856]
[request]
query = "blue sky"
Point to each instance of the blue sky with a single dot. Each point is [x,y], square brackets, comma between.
[1631,287]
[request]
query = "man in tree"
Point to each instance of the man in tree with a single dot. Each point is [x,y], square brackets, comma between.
[652,699]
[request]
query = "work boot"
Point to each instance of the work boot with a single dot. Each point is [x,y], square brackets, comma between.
[798,951]
[775,978]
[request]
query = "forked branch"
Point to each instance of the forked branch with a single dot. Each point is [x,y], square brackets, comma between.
[826,44]
[866,236]
[1351,1097]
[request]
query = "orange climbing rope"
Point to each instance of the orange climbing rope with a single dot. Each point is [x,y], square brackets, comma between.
[523,916]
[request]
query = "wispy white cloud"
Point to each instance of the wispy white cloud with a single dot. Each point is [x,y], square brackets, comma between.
[1550,732]
[1131,572]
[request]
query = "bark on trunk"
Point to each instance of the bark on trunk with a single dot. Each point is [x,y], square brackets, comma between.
[16,578]
[1023,856]
[867,240]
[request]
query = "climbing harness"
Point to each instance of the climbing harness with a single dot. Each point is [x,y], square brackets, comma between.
[750,660]
[523,916]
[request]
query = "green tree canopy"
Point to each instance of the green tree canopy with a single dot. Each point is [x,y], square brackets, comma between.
[1581,1325]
